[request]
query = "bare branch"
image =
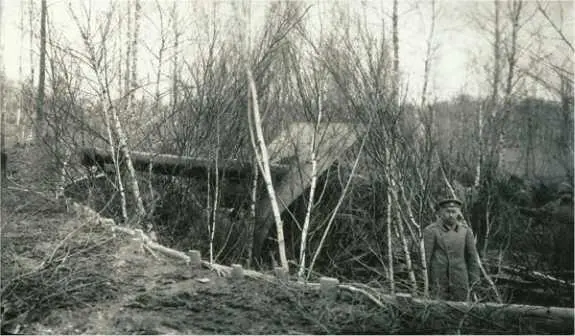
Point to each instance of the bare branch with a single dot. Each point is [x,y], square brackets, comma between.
[558,30]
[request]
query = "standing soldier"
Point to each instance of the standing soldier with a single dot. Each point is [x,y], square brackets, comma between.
[451,255]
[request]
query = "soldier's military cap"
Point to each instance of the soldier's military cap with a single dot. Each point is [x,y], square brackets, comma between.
[448,202]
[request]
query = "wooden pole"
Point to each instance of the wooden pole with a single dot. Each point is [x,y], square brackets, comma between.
[175,165]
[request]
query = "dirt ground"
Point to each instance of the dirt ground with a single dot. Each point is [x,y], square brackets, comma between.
[173,301]
[154,294]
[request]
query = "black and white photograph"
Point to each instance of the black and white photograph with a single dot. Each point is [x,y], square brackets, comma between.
[287,167]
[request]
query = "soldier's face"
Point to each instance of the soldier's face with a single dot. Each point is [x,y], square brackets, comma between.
[451,214]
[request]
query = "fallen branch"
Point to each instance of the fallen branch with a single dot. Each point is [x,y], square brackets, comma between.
[138,233]
[529,275]
[363,292]
[148,242]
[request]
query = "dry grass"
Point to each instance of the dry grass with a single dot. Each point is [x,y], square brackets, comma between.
[53,261]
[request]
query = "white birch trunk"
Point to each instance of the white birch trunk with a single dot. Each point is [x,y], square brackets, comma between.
[337,206]
[120,50]
[107,119]
[489,143]
[446,181]
[217,174]
[395,42]
[405,245]
[254,198]
[428,56]
[122,138]
[19,134]
[216,191]
[305,229]
[388,217]
[261,151]
[127,85]
[207,212]
[214,216]
[134,78]
[159,73]
[174,95]
[251,222]
[480,149]
[115,155]
[40,115]
[31,16]
[123,147]
[413,222]
[111,140]
[2,93]
[496,56]
[62,182]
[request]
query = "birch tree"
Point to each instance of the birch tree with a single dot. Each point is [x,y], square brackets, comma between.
[257,138]
[32,26]
[123,88]
[175,64]
[40,115]
[101,72]
[128,42]
[430,48]
[390,167]
[122,137]
[19,128]
[496,53]
[262,157]
[313,183]
[216,155]
[2,96]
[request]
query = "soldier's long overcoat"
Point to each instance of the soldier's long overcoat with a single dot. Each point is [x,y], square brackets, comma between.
[452,260]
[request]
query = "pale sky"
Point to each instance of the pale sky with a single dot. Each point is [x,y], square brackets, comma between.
[456,67]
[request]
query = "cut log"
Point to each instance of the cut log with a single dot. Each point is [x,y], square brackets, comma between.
[167,164]
[553,319]
[521,274]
